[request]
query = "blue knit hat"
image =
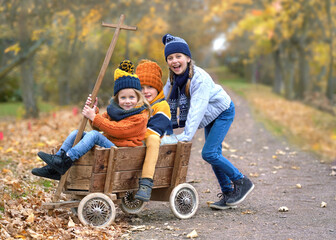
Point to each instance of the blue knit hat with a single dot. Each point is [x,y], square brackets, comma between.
[124,77]
[175,45]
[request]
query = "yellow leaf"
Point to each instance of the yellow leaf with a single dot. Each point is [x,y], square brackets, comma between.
[9,150]
[5,170]
[31,218]
[13,48]
[40,144]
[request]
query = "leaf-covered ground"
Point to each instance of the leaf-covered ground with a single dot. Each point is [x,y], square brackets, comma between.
[22,194]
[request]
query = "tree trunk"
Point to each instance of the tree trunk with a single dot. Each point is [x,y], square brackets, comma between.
[289,80]
[303,83]
[331,80]
[27,77]
[254,73]
[278,78]
[27,87]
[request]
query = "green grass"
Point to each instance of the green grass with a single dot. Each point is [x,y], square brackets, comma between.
[16,109]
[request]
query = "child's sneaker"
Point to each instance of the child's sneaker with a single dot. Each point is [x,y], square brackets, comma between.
[242,188]
[221,204]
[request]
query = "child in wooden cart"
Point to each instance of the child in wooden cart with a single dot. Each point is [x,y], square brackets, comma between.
[124,124]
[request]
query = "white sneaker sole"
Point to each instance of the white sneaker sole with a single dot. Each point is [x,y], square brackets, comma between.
[222,208]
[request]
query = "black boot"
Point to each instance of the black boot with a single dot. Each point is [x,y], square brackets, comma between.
[242,188]
[60,163]
[145,189]
[46,172]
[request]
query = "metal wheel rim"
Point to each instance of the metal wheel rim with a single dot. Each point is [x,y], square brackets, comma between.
[97,211]
[185,201]
[130,202]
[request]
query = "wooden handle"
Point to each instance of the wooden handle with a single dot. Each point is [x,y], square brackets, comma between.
[93,96]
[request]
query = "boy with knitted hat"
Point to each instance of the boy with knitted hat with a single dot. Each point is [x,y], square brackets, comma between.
[124,124]
[150,75]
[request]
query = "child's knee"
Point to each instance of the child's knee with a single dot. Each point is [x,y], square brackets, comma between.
[209,155]
[153,140]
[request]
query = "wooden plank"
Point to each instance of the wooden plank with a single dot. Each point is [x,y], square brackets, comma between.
[166,155]
[67,204]
[79,177]
[177,164]
[110,170]
[129,180]
[101,156]
[130,158]
[77,192]
[97,182]
[87,159]
[161,194]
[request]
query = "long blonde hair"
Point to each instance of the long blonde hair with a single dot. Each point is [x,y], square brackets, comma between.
[190,75]
[141,101]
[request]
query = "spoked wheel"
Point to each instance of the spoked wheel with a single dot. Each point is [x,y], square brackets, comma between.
[131,205]
[184,201]
[96,209]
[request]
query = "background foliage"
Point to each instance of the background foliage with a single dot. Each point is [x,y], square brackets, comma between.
[53,50]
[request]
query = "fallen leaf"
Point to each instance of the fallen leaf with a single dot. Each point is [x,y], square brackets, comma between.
[298,185]
[283,209]
[323,204]
[248,212]
[192,234]
[254,174]
[211,202]
[71,222]
[30,218]
[278,167]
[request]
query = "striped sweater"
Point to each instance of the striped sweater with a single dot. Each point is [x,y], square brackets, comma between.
[159,123]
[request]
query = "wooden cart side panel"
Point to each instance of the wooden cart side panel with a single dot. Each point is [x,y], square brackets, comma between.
[101,156]
[177,164]
[99,169]
[110,170]
[133,158]
[87,159]
[79,178]
[129,180]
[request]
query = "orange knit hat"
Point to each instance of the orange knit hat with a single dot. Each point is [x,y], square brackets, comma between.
[150,73]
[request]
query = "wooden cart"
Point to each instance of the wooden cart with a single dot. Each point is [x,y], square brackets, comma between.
[104,177]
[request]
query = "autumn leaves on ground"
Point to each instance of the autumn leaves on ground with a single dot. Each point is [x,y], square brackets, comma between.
[22,194]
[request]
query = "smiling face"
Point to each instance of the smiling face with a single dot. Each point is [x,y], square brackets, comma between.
[127,98]
[149,92]
[178,62]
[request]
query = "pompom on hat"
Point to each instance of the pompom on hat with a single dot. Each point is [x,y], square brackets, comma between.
[124,77]
[175,45]
[150,74]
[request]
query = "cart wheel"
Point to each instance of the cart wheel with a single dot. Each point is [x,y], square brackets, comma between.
[184,201]
[96,209]
[131,205]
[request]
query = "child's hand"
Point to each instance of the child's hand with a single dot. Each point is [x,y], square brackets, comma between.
[89,101]
[88,112]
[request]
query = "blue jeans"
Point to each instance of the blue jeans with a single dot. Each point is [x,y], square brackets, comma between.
[89,139]
[215,133]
